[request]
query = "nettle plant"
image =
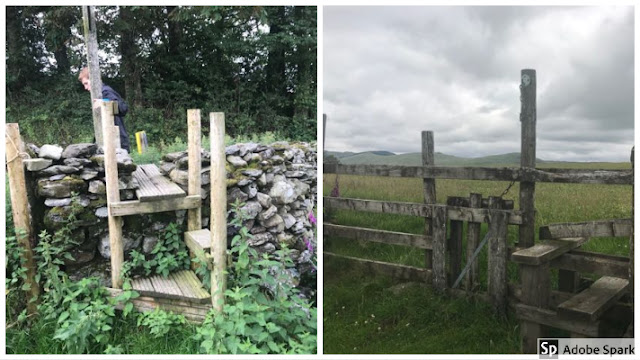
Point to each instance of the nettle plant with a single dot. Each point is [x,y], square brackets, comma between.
[168,255]
[263,312]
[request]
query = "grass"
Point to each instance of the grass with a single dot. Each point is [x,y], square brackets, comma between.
[437,324]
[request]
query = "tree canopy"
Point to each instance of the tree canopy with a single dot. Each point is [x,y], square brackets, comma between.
[255,63]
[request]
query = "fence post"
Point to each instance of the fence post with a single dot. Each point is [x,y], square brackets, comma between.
[527,155]
[20,209]
[473,238]
[631,247]
[439,247]
[218,211]
[429,189]
[194,216]
[91,40]
[113,193]
[497,264]
[455,244]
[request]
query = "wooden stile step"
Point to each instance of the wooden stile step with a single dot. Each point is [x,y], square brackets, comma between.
[181,285]
[546,250]
[154,186]
[592,302]
[198,242]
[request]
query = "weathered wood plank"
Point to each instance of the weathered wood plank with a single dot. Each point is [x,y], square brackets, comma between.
[466,202]
[455,246]
[192,311]
[166,287]
[590,262]
[147,189]
[380,236]
[546,250]
[198,240]
[166,188]
[566,176]
[536,315]
[143,286]
[91,41]
[396,271]
[439,247]
[413,209]
[190,286]
[194,216]
[473,239]
[589,304]
[497,264]
[133,207]
[601,228]
[428,188]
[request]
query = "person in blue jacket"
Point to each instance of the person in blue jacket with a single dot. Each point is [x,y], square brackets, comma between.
[109,93]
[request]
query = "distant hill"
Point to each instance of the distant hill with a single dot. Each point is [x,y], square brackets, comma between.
[502,160]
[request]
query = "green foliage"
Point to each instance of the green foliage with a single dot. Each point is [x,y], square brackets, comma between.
[263,312]
[259,68]
[169,254]
[160,322]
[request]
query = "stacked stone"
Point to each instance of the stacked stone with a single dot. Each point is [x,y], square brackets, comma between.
[278,185]
[71,181]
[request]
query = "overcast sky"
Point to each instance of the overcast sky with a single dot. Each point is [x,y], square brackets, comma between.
[391,72]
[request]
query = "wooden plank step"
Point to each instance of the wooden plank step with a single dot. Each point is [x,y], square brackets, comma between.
[546,250]
[198,240]
[133,207]
[182,285]
[192,311]
[592,302]
[602,228]
[154,186]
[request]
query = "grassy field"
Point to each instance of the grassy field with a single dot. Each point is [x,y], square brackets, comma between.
[414,319]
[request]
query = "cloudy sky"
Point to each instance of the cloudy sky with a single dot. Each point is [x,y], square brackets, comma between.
[391,72]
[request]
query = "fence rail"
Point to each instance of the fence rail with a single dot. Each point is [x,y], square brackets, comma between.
[551,175]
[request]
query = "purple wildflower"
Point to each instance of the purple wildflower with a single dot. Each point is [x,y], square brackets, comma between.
[309,245]
[312,218]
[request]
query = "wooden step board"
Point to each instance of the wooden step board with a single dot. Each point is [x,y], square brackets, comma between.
[181,285]
[198,241]
[546,250]
[154,186]
[592,302]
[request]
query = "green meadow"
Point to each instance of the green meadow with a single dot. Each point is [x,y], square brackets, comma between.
[365,313]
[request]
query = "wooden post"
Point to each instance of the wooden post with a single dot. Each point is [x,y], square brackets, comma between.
[429,188]
[439,247]
[91,40]
[218,211]
[455,244]
[20,209]
[194,216]
[473,239]
[113,193]
[527,155]
[324,128]
[497,264]
[631,247]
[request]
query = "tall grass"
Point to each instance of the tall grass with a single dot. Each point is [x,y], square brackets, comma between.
[437,324]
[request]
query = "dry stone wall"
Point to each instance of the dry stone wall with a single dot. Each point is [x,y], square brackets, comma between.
[277,184]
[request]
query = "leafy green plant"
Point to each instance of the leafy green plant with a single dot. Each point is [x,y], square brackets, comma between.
[263,312]
[168,255]
[160,322]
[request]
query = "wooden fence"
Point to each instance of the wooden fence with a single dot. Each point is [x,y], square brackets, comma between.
[533,298]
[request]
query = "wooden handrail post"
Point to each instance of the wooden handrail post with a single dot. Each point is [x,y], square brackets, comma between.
[20,209]
[91,40]
[113,193]
[439,247]
[194,216]
[497,263]
[218,222]
[429,189]
[528,84]
[473,239]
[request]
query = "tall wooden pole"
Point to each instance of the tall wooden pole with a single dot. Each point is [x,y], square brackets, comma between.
[527,155]
[91,40]
[20,208]
[194,216]
[113,194]
[218,211]
[429,189]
